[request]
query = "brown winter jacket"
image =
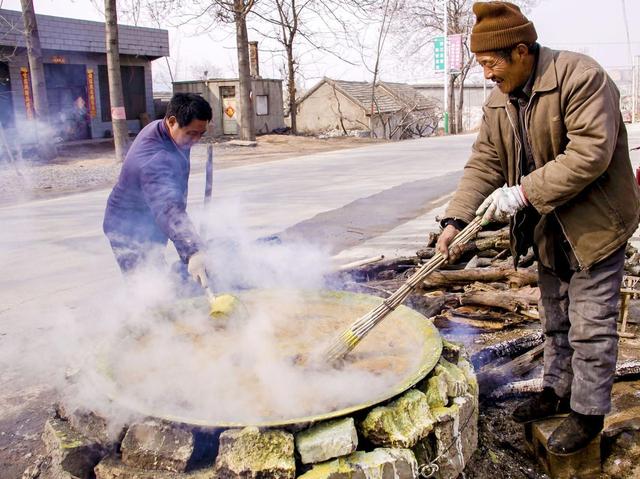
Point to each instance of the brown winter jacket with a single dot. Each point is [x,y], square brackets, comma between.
[579,143]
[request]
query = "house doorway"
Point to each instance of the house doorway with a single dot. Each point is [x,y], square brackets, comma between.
[6,100]
[229,110]
[68,100]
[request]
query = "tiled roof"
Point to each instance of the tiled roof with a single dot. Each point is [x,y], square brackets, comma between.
[409,95]
[389,97]
[361,93]
[68,34]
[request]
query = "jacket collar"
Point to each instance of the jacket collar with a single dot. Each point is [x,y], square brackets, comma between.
[168,140]
[545,79]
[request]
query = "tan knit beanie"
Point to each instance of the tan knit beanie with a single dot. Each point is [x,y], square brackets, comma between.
[500,25]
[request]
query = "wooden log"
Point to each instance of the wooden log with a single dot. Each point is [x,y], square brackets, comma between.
[432,239]
[515,278]
[372,271]
[488,253]
[360,263]
[427,305]
[516,388]
[624,370]
[483,319]
[527,259]
[426,253]
[477,262]
[451,321]
[503,232]
[510,300]
[511,347]
[483,244]
[628,368]
[491,377]
[487,240]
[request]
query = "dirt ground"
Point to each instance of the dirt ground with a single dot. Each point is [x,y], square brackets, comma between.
[501,451]
[91,165]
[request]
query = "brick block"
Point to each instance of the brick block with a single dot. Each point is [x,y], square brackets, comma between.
[584,464]
[327,440]
[71,453]
[156,445]
[253,454]
[114,468]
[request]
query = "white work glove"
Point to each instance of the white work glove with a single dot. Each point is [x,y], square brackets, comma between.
[500,205]
[197,268]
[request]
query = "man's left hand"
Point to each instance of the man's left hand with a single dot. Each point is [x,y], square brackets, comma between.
[500,205]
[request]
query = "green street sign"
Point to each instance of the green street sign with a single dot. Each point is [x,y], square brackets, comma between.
[438,54]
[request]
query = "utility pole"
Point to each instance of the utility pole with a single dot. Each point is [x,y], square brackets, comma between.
[446,68]
[46,147]
[634,89]
[118,113]
[633,63]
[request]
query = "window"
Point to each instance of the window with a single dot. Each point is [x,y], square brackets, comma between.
[262,104]
[133,89]
[227,91]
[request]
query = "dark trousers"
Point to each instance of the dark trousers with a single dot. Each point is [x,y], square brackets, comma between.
[131,254]
[579,312]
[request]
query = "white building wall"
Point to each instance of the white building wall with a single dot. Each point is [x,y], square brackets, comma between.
[321,112]
[210,91]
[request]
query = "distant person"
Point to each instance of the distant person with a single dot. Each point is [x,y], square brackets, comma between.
[551,157]
[148,204]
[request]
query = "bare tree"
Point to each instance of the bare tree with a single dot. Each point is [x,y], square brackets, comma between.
[139,12]
[241,9]
[286,15]
[205,15]
[390,8]
[131,9]
[426,19]
[291,24]
[295,24]
[8,27]
[116,97]
[46,147]
[205,70]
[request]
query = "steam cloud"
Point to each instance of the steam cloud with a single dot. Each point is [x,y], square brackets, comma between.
[155,352]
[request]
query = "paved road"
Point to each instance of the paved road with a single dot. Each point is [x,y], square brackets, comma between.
[54,259]
[354,203]
[53,253]
[371,200]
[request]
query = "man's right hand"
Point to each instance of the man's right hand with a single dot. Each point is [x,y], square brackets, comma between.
[198,270]
[444,240]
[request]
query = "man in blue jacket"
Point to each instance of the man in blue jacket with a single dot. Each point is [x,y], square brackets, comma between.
[148,203]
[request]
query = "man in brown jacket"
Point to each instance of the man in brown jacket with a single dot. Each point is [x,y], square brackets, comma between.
[552,158]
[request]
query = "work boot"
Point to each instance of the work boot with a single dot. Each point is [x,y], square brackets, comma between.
[574,433]
[540,406]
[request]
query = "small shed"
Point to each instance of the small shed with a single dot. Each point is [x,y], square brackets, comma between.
[223,95]
[399,110]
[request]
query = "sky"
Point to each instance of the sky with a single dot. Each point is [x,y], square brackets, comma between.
[593,27]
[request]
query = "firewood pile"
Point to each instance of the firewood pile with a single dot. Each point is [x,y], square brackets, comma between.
[486,302]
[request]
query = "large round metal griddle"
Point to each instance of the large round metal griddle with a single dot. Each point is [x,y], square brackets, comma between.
[405,347]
